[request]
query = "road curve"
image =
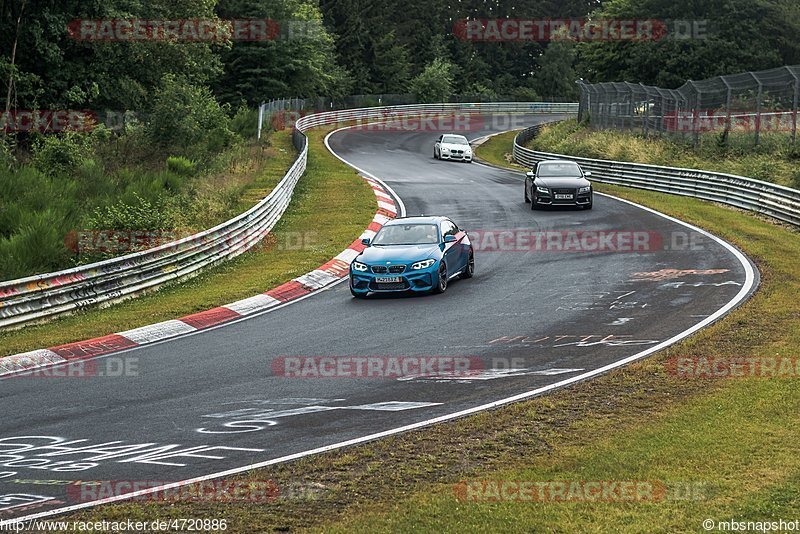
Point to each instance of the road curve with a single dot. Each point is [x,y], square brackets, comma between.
[210,402]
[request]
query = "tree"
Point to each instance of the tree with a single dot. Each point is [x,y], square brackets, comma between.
[299,62]
[556,74]
[434,83]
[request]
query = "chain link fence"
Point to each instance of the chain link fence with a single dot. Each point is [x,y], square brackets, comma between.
[751,103]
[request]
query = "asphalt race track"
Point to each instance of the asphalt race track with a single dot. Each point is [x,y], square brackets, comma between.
[210,402]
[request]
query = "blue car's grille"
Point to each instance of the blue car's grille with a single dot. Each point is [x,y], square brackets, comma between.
[394,269]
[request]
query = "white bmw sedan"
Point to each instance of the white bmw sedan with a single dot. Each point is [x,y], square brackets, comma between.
[453,147]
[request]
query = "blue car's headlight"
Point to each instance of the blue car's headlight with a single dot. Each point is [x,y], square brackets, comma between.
[585,189]
[358,266]
[424,264]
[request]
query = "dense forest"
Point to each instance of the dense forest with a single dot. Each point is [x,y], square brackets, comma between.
[373,46]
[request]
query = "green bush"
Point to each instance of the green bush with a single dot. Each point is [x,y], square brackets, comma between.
[61,154]
[245,122]
[434,83]
[187,119]
[138,214]
[181,166]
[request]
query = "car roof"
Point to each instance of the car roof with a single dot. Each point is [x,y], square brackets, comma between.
[419,219]
[454,135]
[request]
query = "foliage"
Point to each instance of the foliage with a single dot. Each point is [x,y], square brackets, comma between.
[434,83]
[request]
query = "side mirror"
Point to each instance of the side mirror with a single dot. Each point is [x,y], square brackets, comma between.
[587,173]
[449,238]
[530,174]
[365,241]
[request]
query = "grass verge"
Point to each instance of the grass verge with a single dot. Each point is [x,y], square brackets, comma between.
[732,442]
[331,206]
[496,150]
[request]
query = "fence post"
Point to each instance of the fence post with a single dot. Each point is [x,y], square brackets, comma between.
[727,110]
[695,114]
[794,103]
[759,98]
[260,118]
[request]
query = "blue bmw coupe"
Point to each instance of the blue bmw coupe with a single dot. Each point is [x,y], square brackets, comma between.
[412,254]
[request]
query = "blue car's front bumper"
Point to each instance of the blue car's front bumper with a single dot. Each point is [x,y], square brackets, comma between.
[419,280]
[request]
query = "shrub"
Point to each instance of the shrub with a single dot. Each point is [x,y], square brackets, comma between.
[139,214]
[61,154]
[181,166]
[188,118]
[434,83]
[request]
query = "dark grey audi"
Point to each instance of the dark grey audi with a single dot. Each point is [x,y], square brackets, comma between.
[558,183]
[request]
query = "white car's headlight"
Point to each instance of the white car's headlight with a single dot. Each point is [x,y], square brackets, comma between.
[542,189]
[445,149]
[358,266]
[424,264]
[585,189]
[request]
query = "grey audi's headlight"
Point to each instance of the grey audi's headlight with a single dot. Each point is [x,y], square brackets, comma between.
[542,189]
[585,189]
[424,264]
[358,266]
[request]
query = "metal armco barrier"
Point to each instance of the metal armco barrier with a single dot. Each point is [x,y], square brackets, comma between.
[774,200]
[43,296]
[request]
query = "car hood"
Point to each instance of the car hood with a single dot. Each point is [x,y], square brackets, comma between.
[452,146]
[398,253]
[562,181]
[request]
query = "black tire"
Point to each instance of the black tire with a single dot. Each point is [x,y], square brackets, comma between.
[469,270]
[435,156]
[589,206]
[534,204]
[527,198]
[441,285]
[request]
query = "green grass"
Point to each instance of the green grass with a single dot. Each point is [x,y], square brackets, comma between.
[774,161]
[331,206]
[737,440]
[497,150]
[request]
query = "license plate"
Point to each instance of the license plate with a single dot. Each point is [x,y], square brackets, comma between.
[563,197]
[388,279]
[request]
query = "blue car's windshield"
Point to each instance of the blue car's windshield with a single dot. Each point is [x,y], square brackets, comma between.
[407,234]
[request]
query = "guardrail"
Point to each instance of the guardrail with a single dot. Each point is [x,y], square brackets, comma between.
[42,296]
[779,202]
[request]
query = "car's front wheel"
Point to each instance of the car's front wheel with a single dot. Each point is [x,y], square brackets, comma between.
[441,280]
[435,155]
[527,198]
[469,270]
